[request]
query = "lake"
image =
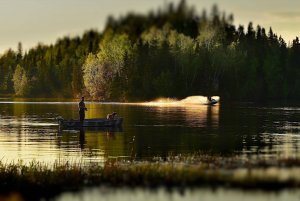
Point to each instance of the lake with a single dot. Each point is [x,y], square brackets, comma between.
[162,194]
[29,130]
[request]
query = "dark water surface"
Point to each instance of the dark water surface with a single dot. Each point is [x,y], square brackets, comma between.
[29,130]
[162,194]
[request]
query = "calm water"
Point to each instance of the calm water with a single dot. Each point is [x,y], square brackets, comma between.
[202,194]
[29,130]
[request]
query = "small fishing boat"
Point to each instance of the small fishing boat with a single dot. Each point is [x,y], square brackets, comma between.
[98,122]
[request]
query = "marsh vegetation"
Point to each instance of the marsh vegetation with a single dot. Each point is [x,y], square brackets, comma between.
[37,180]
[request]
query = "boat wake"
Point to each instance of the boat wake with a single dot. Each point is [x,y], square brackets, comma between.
[191,100]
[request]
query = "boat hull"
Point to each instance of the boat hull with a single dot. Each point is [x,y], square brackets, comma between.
[101,122]
[212,102]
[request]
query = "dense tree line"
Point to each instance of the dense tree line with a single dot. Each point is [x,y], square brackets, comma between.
[173,52]
[47,71]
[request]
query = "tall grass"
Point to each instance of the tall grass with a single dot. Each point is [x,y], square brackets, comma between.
[38,179]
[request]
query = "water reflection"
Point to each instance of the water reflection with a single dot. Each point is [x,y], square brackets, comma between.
[82,139]
[162,194]
[30,131]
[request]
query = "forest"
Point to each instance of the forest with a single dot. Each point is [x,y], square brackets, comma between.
[172,52]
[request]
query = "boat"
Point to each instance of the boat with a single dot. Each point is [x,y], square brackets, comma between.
[211,102]
[97,122]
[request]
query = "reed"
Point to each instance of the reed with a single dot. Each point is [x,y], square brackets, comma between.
[36,179]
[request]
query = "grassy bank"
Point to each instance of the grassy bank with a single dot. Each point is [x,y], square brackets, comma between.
[36,180]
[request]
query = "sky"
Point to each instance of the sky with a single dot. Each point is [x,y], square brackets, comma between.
[34,21]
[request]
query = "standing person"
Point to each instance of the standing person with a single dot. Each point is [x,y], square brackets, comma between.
[82,110]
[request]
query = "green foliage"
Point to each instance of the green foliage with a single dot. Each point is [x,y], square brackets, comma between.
[8,62]
[101,70]
[21,81]
[53,70]
[93,78]
[173,52]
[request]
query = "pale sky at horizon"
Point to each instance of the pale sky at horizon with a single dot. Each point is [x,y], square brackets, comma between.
[33,21]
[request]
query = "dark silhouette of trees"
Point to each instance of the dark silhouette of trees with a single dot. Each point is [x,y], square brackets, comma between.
[173,52]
